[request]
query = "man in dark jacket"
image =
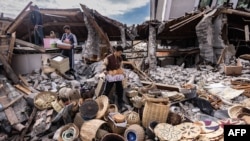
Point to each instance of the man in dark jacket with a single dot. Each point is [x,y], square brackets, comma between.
[114,75]
[36,20]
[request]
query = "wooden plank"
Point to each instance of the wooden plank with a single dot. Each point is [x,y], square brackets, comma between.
[10,73]
[162,86]
[11,47]
[187,20]
[23,80]
[246,33]
[28,44]
[23,89]
[10,113]
[12,27]
[96,26]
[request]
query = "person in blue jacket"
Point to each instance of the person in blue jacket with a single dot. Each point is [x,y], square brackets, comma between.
[71,39]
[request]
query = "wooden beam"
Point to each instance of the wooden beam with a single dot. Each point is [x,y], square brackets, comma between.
[72,24]
[10,73]
[12,27]
[11,47]
[96,26]
[9,112]
[28,44]
[162,86]
[236,12]
[59,12]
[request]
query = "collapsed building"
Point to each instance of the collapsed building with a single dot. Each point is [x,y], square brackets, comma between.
[183,72]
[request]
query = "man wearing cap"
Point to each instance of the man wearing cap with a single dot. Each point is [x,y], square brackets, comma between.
[114,74]
[36,20]
[68,50]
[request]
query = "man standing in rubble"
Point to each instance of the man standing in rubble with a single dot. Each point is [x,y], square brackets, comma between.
[68,50]
[114,75]
[36,20]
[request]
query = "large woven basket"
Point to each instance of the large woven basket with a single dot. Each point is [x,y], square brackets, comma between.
[156,109]
[89,129]
[134,132]
[43,100]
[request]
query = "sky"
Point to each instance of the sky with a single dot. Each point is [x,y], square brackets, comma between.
[125,11]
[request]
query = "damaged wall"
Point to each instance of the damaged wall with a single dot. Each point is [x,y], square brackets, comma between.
[92,44]
[209,33]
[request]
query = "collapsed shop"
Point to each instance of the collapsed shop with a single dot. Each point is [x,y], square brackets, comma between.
[181,73]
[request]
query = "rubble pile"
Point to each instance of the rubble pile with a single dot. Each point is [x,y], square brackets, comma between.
[59,106]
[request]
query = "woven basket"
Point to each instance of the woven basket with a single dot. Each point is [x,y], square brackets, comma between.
[88,109]
[132,117]
[57,105]
[103,104]
[234,111]
[89,129]
[64,129]
[174,118]
[132,93]
[155,109]
[43,100]
[111,109]
[113,137]
[101,133]
[78,120]
[134,133]
[114,128]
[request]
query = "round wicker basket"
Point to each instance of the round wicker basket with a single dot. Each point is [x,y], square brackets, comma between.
[234,111]
[43,100]
[69,132]
[132,117]
[88,109]
[134,133]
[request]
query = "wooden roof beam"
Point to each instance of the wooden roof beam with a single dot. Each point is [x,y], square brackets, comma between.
[59,12]
[72,24]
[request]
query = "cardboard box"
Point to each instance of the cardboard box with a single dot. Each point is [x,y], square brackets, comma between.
[234,70]
[50,42]
[60,62]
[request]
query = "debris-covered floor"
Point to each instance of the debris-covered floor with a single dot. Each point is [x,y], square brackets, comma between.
[64,108]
